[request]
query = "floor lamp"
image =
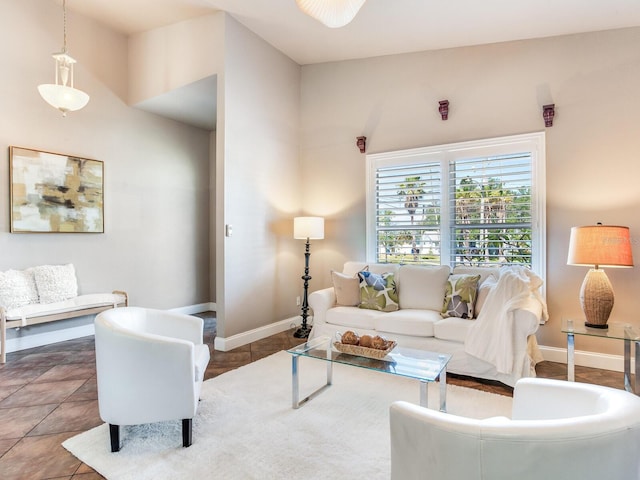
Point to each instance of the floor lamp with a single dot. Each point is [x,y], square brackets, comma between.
[306,228]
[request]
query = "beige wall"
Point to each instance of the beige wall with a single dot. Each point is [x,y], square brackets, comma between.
[166,58]
[258,184]
[156,240]
[494,90]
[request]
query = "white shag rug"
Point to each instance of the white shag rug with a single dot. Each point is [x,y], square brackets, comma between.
[246,429]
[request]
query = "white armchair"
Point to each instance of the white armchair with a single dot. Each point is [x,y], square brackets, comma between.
[558,429]
[150,366]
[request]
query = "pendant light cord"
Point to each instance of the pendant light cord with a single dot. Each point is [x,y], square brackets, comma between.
[64,25]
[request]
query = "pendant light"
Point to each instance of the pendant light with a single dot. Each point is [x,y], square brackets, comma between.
[333,13]
[62,94]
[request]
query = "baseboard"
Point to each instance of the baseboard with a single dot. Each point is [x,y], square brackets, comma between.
[47,338]
[603,361]
[199,308]
[244,338]
[71,333]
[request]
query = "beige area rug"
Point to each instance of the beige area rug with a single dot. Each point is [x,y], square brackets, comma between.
[246,429]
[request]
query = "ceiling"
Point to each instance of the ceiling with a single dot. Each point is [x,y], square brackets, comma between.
[382,27]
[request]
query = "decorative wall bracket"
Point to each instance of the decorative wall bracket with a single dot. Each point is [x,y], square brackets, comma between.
[361,143]
[444,109]
[548,112]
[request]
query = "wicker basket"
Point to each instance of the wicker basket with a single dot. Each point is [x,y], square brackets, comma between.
[364,351]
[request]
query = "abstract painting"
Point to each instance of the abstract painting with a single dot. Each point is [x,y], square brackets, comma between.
[54,193]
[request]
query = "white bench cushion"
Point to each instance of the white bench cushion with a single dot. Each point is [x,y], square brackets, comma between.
[91,300]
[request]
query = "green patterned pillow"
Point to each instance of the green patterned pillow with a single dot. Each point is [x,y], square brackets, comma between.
[460,296]
[378,292]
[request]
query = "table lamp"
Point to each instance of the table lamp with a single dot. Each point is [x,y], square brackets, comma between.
[599,246]
[309,228]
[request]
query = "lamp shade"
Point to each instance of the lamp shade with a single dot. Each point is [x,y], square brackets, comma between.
[333,13]
[308,227]
[62,97]
[600,245]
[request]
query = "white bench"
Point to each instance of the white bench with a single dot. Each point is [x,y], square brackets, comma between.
[45,294]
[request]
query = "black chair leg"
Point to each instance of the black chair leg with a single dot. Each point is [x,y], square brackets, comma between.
[187,424]
[114,434]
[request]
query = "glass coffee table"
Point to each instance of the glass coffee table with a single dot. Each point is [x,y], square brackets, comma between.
[424,366]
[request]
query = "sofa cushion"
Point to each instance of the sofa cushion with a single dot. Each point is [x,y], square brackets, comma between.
[417,323]
[353,318]
[17,288]
[378,292]
[56,283]
[422,287]
[452,328]
[347,289]
[460,297]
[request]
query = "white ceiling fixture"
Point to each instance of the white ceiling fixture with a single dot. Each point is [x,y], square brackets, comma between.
[333,13]
[62,95]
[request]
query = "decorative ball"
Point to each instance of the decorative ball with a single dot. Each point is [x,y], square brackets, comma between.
[350,338]
[366,341]
[379,342]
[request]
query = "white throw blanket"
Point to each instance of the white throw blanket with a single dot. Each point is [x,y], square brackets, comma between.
[491,338]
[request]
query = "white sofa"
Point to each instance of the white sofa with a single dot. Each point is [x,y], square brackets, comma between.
[557,430]
[418,322]
[47,293]
[150,367]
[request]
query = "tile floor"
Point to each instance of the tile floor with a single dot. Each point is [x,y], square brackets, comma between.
[48,394]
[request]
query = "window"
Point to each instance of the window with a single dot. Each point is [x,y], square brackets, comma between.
[474,203]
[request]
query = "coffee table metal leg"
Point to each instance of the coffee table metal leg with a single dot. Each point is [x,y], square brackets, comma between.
[443,390]
[424,394]
[295,382]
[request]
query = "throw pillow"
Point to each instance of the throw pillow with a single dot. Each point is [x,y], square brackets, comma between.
[17,289]
[378,291]
[56,283]
[347,289]
[460,296]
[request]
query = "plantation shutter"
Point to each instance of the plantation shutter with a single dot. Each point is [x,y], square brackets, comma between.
[490,208]
[407,213]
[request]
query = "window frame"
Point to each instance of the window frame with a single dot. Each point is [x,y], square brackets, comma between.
[444,154]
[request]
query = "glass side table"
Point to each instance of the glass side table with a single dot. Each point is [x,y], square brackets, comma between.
[617,331]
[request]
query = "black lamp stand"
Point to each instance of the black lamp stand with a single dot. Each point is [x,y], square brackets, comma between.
[304,330]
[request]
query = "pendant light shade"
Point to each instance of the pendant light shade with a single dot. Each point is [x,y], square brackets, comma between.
[333,13]
[62,94]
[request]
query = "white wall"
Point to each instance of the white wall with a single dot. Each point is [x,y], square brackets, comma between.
[494,90]
[258,184]
[156,240]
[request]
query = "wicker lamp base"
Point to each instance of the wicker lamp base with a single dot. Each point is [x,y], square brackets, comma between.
[596,298]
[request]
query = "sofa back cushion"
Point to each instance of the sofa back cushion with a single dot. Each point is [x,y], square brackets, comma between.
[422,287]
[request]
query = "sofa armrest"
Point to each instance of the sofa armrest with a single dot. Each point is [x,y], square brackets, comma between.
[321,301]
[528,317]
